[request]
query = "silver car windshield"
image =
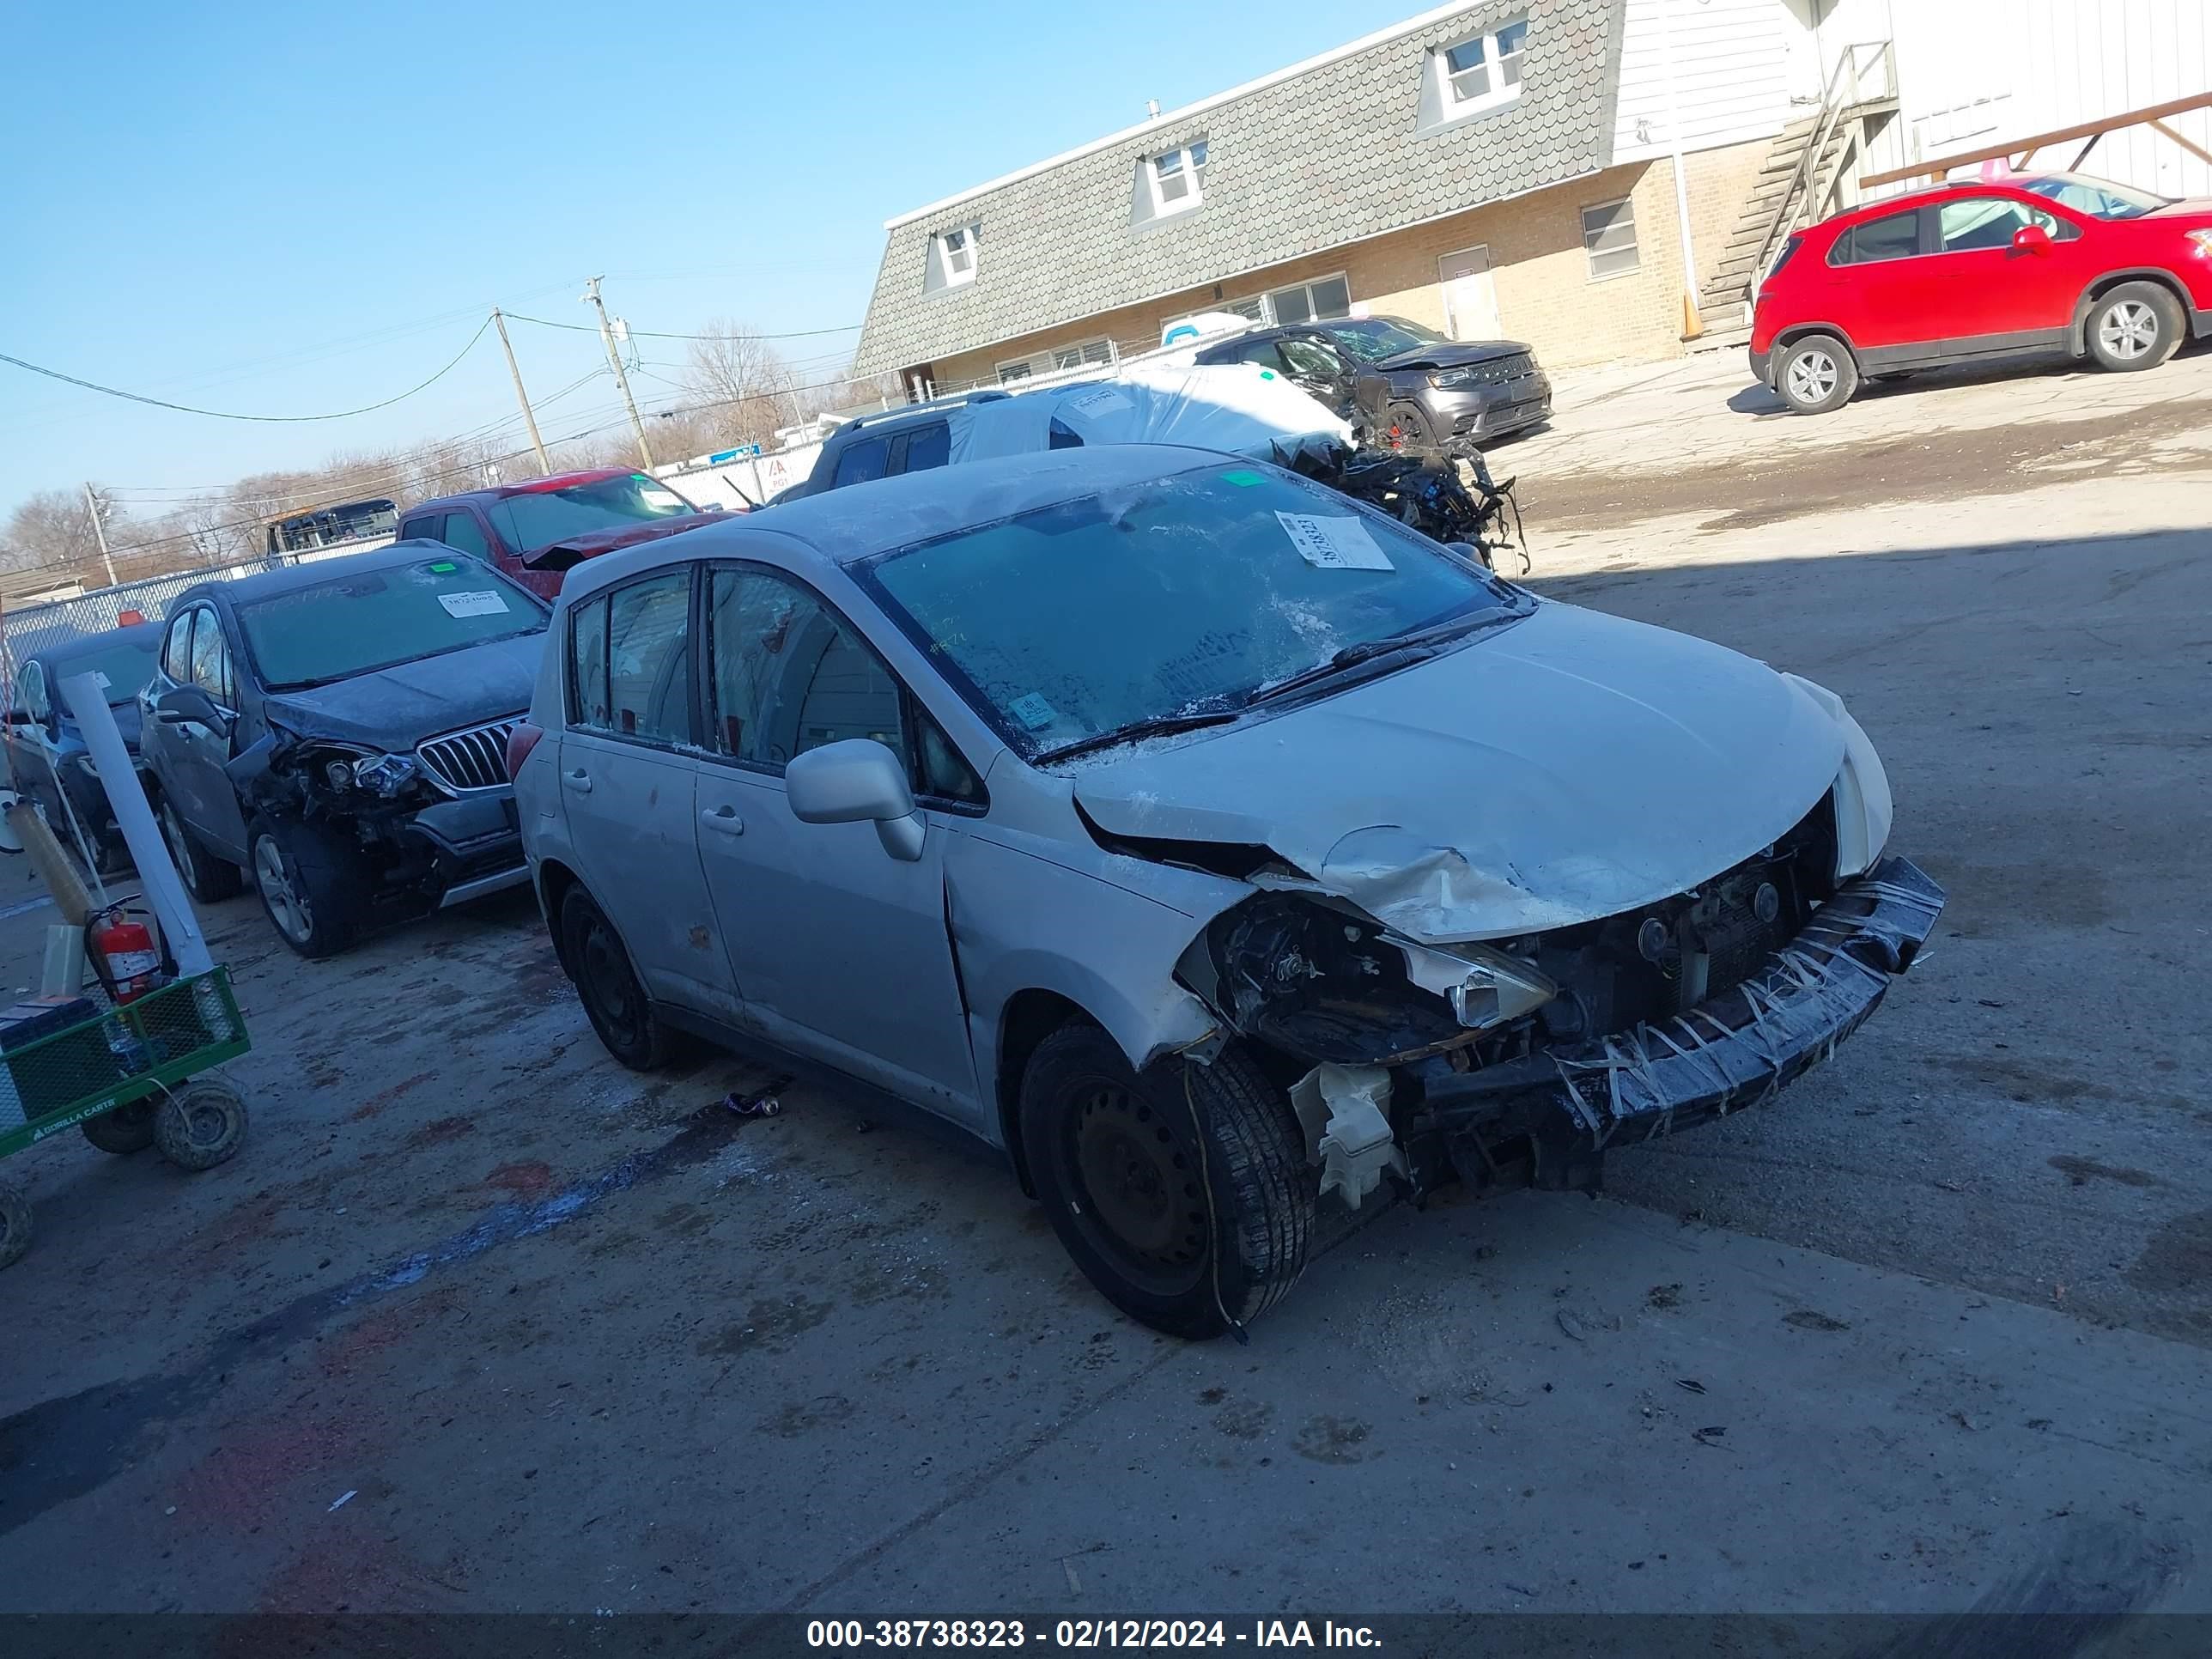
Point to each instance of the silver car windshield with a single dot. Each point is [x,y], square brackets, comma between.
[1174,597]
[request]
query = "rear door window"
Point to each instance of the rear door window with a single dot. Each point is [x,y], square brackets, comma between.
[649,657]
[926,447]
[861,462]
[465,535]
[430,527]
[1896,237]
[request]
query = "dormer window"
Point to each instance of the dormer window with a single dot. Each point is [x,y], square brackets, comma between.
[1177,179]
[1483,70]
[956,256]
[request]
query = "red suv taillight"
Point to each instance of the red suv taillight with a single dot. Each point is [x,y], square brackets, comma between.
[520,742]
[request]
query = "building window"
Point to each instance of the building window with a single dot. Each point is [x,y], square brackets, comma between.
[1483,70]
[1305,302]
[1079,354]
[956,256]
[1609,239]
[1178,178]
[1096,352]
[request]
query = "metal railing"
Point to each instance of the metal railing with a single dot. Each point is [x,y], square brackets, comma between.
[1848,90]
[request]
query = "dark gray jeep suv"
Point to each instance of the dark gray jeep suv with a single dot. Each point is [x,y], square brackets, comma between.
[339,729]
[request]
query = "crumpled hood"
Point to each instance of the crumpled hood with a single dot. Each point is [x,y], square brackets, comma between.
[1449,354]
[1571,766]
[395,709]
[572,551]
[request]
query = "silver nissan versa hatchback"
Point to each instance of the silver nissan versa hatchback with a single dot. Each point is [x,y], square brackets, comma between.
[1218,848]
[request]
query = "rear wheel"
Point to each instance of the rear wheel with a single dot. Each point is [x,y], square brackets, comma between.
[124,1130]
[312,885]
[15,1224]
[1816,374]
[207,879]
[614,1001]
[2137,325]
[1183,1194]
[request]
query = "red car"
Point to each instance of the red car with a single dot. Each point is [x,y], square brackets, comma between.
[535,532]
[2043,262]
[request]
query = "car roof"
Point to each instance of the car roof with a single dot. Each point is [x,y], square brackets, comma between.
[839,528]
[291,578]
[527,487]
[147,634]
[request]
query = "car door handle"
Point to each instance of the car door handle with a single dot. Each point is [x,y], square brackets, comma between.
[724,818]
[579,780]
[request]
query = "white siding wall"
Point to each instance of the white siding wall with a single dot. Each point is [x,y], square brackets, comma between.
[1732,60]
[1974,73]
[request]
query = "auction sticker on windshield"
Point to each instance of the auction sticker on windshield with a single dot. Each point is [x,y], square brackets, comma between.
[1332,543]
[1104,400]
[481,603]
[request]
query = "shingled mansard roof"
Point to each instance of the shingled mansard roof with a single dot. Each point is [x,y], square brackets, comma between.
[1311,157]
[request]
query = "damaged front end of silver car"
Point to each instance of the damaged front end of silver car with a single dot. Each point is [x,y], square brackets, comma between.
[1520,1062]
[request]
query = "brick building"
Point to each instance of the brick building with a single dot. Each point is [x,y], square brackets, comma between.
[1507,168]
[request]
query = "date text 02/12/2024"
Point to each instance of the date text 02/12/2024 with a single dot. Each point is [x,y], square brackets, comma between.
[1085,1633]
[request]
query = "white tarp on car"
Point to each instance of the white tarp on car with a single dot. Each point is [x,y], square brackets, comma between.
[1237,407]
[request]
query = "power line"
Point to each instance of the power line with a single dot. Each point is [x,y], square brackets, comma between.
[657,334]
[446,472]
[225,415]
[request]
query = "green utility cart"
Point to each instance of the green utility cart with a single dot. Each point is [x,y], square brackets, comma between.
[133,1074]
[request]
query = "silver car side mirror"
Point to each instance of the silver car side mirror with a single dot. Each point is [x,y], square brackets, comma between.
[856,780]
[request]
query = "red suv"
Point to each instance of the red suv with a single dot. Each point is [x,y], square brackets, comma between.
[2051,263]
[535,532]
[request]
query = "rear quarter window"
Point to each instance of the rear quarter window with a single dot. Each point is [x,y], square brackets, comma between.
[1896,236]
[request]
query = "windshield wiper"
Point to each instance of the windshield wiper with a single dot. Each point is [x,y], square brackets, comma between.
[1415,647]
[1159,726]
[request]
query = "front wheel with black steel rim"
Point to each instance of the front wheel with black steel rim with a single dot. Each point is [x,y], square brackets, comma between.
[2137,325]
[312,884]
[15,1224]
[127,1129]
[207,879]
[1816,374]
[1184,1194]
[614,1001]
[201,1123]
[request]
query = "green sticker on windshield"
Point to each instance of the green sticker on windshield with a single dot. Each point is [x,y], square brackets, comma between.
[1242,479]
[444,567]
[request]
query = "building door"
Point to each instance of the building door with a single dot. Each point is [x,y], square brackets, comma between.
[1470,295]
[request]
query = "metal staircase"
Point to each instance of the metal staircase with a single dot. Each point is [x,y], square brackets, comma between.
[1808,173]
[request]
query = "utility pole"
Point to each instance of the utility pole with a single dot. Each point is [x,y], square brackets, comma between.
[544,467]
[100,533]
[591,296]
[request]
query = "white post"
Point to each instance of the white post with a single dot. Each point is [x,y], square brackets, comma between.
[165,889]
[1693,324]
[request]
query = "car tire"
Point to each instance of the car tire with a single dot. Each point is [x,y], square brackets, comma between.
[313,884]
[1419,437]
[15,1224]
[2135,326]
[207,879]
[1816,374]
[126,1130]
[201,1124]
[614,999]
[1187,1235]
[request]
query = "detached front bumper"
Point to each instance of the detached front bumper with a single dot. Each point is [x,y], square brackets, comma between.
[1736,1049]
[474,844]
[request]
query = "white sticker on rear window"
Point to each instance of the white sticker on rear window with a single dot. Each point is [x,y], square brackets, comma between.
[1331,543]
[1033,712]
[484,602]
[1100,400]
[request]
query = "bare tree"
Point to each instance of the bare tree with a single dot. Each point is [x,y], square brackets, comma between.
[54,530]
[742,387]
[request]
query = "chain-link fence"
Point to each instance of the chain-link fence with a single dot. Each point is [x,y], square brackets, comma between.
[32,628]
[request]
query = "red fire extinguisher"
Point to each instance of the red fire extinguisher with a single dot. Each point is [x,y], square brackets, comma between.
[134,966]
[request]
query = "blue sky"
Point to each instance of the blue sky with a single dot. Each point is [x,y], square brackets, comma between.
[295,209]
